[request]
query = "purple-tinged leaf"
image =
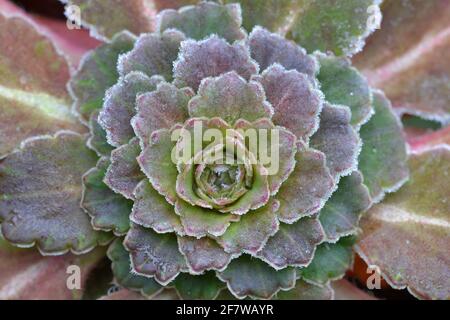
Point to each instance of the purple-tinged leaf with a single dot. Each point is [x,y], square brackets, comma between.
[123,274]
[106,18]
[109,211]
[330,25]
[203,20]
[156,162]
[119,106]
[296,102]
[268,48]
[293,244]
[407,235]
[124,173]
[97,140]
[337,139]
[26,275]
[153,54]
[154,255]
[160,109]
[331,261]
[230,98]
[200,222]
[341,213]
[308,188]
[33,76]
[306,291]
[383,158]
[343,84]
[210,58]
[241,273]
[251,233]
[151,210]
[97,73]
[344,290]
[203,254]
[41,189]
[408,57]
[204,287]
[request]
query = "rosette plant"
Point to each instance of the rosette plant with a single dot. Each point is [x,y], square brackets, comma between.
[295,146]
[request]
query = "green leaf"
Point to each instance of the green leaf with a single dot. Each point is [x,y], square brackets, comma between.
[203,20]
[40,193]
[383,156]
[97,73]
[251,233]
[33,76]
[106,18]
[343,84]
[241,273]
[123,274]
[109,211]
[97,140]
[203,287]
[407,235]
[341,213]
[330,262]
[330,25]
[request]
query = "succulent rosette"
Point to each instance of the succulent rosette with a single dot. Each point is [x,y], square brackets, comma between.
[220,219]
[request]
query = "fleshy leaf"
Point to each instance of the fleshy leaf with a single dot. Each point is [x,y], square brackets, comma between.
[151,210]
[383,158]
[124,173]
[424,142]
[97,73]
[105,19]
[40,190]
[407,236]
[33,76]
[203,20]
[109,211]
[97,140]
[153,54]
[204,287]
[203,254]
[161,109]
[337,26]
[231,98]
[330,262]
[120,106]
[337,139]
[345,290]
[269,48]
[251,233]
[26,275]
[308,186]
[296,102]
[241,273]
[306,291]
[210,58]
[343,84]
[156,162]
[293,244]
[123,274]
[154,255]
[199,222]
[407,58]
[341,213]
[287,148]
